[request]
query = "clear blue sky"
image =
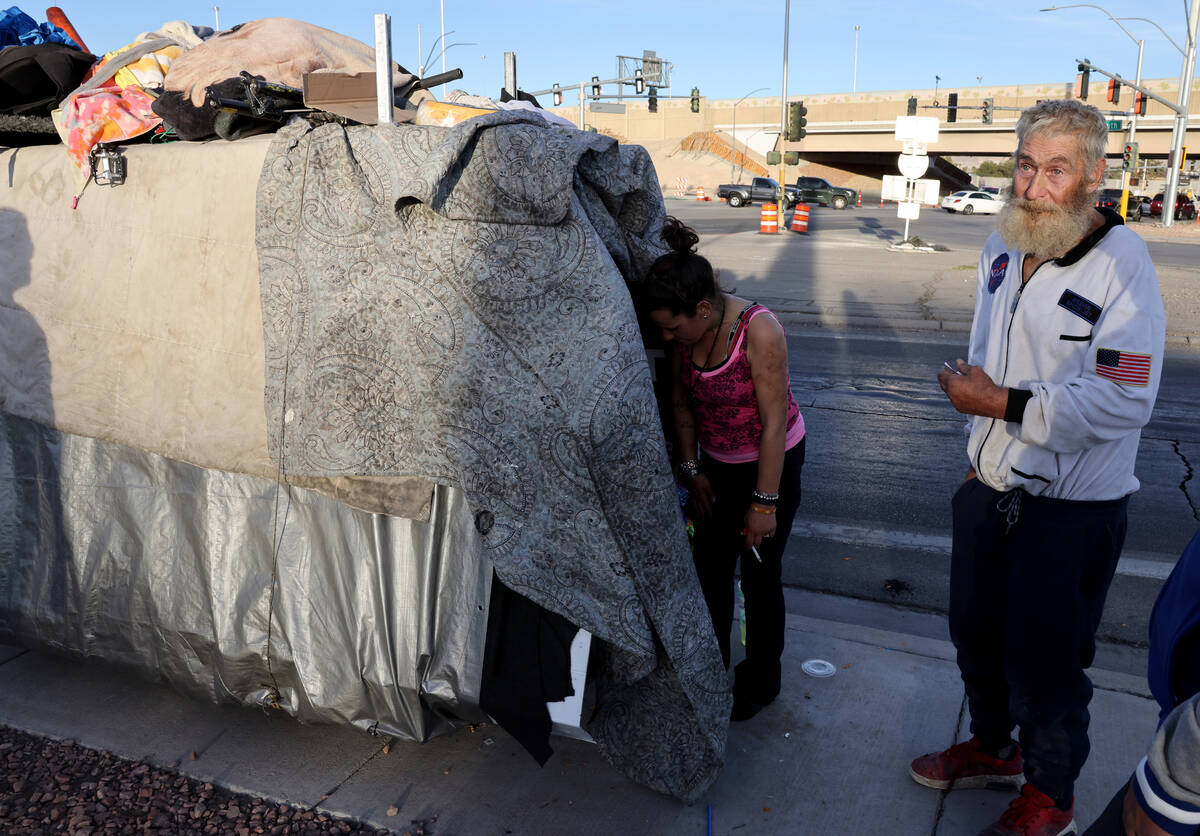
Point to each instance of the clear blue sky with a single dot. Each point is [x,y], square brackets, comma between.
[725,53]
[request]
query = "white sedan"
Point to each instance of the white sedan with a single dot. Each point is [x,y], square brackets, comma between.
[969,203]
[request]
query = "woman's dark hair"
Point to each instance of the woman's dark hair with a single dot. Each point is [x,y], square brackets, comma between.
[681,279]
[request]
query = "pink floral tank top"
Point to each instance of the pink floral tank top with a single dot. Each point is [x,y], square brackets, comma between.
[722,398]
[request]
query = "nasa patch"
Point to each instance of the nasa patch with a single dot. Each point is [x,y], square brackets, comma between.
[999,269]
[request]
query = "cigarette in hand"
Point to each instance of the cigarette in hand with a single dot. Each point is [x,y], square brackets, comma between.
[757,556]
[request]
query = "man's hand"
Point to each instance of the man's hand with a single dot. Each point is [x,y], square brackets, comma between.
[972,391]
[1136,822]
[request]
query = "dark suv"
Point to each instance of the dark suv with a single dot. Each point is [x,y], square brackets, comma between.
[819,190]
[1111,199]
[1108,199]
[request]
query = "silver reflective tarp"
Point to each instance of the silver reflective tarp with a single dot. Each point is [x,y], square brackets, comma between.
[233,588]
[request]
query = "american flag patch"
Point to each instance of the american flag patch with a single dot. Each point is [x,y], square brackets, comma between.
[1123,366]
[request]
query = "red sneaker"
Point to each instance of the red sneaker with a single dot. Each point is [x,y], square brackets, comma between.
[963,766]
[1033,813]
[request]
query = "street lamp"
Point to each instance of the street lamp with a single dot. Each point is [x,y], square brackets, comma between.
[854,85]
[733,155]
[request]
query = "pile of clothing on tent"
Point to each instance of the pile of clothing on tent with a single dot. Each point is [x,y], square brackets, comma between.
[185,82]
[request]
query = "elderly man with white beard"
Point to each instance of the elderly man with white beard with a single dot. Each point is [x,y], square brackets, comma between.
[1062,372]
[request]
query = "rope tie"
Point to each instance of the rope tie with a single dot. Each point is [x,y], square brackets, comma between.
[1010,506]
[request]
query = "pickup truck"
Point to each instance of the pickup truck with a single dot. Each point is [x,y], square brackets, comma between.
[763,189]
[820,190]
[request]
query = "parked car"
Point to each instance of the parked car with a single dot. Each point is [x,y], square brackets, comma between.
[1184,208]
[969,202]
[820,190]
[1108,199]
[990,189]
[762,189]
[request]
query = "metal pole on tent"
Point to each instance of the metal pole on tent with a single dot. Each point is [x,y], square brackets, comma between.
[383,68]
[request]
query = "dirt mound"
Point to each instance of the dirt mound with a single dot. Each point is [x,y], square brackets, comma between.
[701,159]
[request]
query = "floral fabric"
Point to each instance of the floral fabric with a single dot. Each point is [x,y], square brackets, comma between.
[451,303]
[106,114]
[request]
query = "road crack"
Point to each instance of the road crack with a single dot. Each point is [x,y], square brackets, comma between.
[1187,477]
[928,290]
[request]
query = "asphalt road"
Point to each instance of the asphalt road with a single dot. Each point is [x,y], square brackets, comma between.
[962,233]
[886,451]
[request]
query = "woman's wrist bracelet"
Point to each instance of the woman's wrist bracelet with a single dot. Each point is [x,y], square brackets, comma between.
[765,498]
[689,468]
[762,509]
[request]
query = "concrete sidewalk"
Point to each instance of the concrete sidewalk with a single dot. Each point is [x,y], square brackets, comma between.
[830,756]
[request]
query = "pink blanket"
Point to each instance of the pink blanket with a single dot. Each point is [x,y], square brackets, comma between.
[278,49]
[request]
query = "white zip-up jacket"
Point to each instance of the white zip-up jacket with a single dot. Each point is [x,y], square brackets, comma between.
[1080,346]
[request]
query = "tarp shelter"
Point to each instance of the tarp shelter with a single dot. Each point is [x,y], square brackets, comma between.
[273,411]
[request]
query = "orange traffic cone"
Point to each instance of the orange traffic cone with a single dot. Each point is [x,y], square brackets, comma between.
[769,221]
[860,198]
[800,218]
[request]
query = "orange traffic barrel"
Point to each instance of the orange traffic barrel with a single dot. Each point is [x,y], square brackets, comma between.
[769,222]
[800,218]
[700,193]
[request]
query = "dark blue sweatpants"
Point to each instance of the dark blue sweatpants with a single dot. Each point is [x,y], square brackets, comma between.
[1028,579]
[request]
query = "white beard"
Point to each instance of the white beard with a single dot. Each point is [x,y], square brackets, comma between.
[1044,229]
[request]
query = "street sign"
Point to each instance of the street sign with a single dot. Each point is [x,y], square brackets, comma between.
[1114,124]
[919,129]
[913,166]
[606,107]
[894,188]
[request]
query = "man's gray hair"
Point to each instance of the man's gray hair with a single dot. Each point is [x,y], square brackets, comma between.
[1067,116]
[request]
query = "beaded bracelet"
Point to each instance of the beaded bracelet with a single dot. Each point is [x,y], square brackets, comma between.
[765,498]
[690,468]
[762,509]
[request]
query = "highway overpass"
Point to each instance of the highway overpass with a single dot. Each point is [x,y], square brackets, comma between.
[854,131]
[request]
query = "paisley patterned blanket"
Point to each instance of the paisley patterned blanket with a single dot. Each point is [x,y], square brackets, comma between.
[451,303]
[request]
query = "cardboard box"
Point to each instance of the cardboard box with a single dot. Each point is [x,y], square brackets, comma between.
[351,95]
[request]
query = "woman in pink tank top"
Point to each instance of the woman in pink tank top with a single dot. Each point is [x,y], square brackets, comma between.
[741,448]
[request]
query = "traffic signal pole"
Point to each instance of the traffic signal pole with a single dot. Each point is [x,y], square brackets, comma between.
[1133,115]
[1180,108]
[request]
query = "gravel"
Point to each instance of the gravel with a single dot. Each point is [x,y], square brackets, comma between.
[57,786]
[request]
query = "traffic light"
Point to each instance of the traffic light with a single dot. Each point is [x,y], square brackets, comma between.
[1081,82]
[1129,157]
[595,87]
[987,111]
[556,91]
[797,114]
[1114,91]
[912,105]
[695,100]
[952,107]
[652,101]
[1139,103]
[639,83]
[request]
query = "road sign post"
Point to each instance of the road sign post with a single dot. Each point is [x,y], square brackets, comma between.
[915,132]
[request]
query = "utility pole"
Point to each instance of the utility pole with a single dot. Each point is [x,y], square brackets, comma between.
[1179,133]
[787,8]
[854,84]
